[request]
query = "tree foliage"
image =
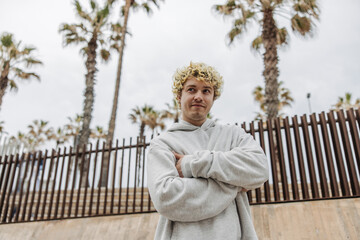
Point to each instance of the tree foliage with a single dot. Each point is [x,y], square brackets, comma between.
[15,60]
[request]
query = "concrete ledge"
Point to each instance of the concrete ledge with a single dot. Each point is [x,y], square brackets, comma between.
[328,219]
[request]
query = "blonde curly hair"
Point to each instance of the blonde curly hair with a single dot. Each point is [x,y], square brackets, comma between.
[201,72]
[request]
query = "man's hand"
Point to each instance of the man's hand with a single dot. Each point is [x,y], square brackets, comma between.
[178,163]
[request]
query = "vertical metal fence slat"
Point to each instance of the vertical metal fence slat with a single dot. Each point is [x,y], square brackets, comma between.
[6,218]
[282,166]
[309,156]
[28,187]
[358,116]
[60,183]
[149,200]
[354,182]
[120,175]
[258,190]
[294,185]
[319,156]
[328,154]
[66,181]
[262,144]
[107,175]
[73,180]
[34,188]
[273,160]
[83,153]
[53,185]
[87,182]
[338,156]
[248,193]
[4,187]
[137,164]
[15,210]
[3,161]
[128,180]
[113,177]
[22,188]
[41,184]
[93,178]
[304,185]
[100,179]
[143,173]
[47,184]
[354,135]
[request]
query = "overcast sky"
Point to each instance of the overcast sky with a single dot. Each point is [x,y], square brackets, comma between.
[327,65]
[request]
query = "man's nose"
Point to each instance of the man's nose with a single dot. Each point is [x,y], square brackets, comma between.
[198,96]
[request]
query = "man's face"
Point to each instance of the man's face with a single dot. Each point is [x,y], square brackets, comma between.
[196,100]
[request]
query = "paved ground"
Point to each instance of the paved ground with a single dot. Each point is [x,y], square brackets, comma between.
[327,219]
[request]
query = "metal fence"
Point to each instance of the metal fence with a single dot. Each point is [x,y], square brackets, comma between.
[311,157]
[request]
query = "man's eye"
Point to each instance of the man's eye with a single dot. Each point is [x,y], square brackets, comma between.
[207,91]
[191,89]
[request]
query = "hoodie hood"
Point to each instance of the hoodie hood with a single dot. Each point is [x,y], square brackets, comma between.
[185,126]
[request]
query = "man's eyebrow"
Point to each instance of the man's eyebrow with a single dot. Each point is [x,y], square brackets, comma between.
[193,85]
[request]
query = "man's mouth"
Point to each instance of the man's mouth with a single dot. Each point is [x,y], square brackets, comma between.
[198,105]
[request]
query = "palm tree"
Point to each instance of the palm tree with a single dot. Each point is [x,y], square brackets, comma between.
[141,116]
[345,102]
[155,120]
[120,33]
[301,14]
[173,111]
[98,133]
[285,100]
[39,132]
[90,34]
[13,57]
[145,116]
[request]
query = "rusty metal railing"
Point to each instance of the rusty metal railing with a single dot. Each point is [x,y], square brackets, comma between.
[312,157]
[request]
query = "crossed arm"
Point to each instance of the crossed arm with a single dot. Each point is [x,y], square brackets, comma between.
[201,185]
[179,158]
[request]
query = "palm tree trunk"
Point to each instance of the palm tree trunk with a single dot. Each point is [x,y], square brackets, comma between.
[89,102]
[4,81]
[111,128]
[271,71]
[271,74]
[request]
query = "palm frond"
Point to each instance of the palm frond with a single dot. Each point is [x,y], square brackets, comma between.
[105,54]
[7,40]
[13,85]
[82,14]
[235,32]
[300,24]
[31,61]
[282,36]
[257,43]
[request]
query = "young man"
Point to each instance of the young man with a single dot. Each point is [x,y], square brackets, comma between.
[199,171]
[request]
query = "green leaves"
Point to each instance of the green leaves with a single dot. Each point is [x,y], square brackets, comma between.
[7,40]
[105,54]
[300,24]
[257,43]
[12,57]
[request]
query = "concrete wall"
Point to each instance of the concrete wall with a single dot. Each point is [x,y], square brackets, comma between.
[330,219]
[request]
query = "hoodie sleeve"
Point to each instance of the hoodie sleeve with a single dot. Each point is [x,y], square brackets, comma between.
[245,165]
[184,199]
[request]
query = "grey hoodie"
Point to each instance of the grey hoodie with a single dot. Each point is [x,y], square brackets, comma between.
[207,203]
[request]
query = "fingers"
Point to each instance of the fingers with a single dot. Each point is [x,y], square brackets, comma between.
[177,156]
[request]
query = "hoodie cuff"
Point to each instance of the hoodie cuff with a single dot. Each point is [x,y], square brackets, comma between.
[185,166]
